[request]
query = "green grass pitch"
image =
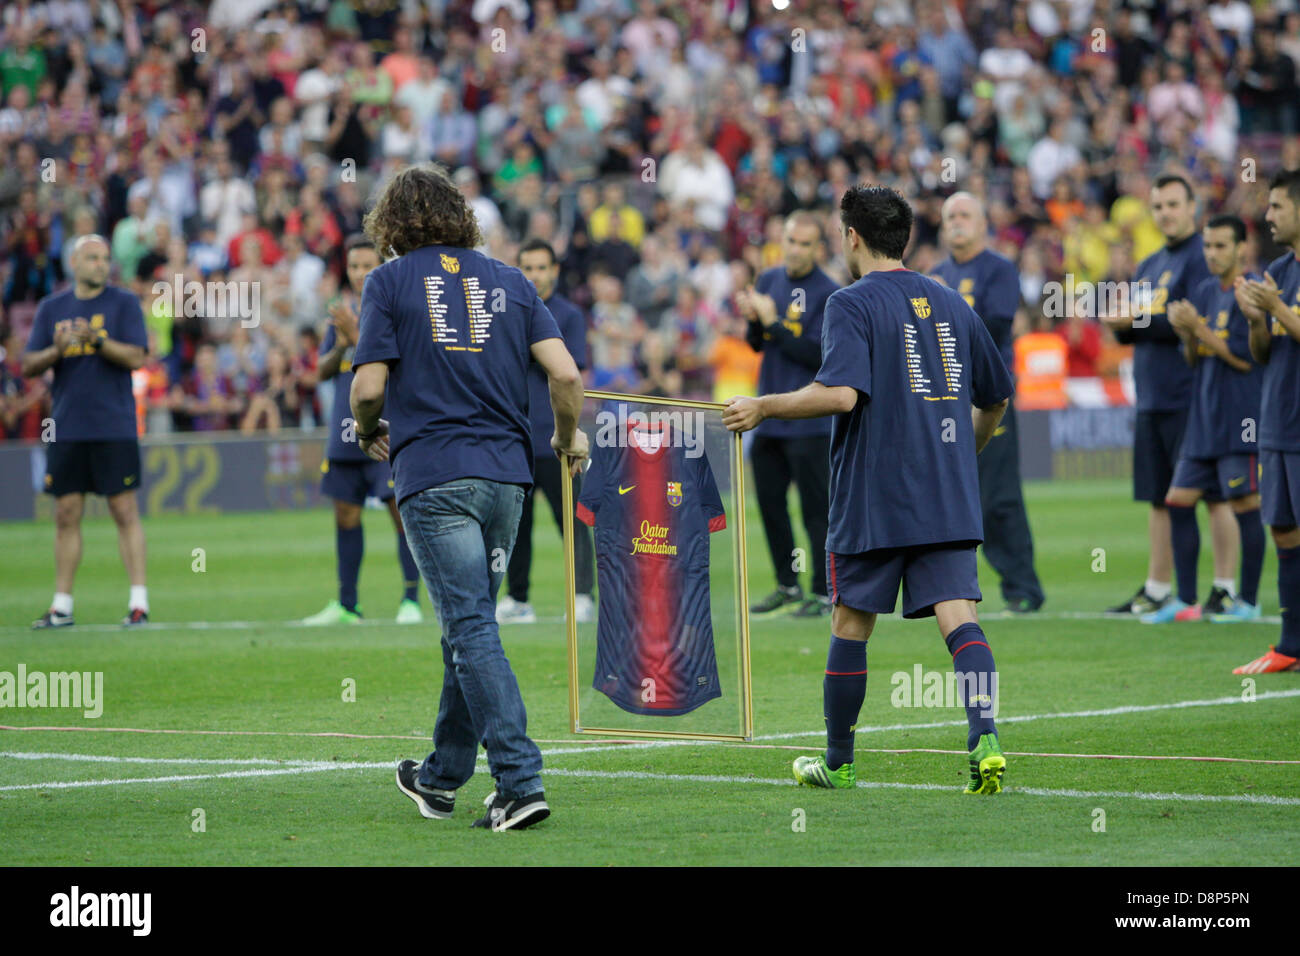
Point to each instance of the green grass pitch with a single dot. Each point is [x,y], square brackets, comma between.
[272,788]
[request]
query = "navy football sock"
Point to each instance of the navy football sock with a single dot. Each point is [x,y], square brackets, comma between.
[1252,554]
[843,690]
[1288,595]
[977,679]
[410,573]
[350,543]
[1187,550]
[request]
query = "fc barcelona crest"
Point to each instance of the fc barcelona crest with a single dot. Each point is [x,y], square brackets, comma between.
[921,306]
[674,493]
[449,263]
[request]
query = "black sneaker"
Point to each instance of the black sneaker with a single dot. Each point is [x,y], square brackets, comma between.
[777,600]
[433,804]
[503,814]
[1022,606]
[1139,603]
[135,617]
[1219,602]
[816,605]
[52,618]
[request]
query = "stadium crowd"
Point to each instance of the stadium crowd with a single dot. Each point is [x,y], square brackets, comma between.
[657,146]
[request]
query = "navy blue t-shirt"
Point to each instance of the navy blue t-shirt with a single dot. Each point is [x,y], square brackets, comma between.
[1279,417]
[791,347]
[1225,402]
[991,286]
[455,328]
[573,328]
[92,396]
[338,449]
[653,508]
[903,466]
[1160,373]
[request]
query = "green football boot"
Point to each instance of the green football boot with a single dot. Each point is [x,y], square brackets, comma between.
[813,772]
[987,765]
[334,613]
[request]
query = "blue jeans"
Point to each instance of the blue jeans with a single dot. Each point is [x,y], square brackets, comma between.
[461,534]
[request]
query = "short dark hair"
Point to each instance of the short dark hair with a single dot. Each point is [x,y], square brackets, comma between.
[536,243]
[1226,221]
[1288,179]
[1168,179]
[880,216]
[358,240]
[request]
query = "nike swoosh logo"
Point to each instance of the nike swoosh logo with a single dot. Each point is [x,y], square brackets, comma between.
[129,481]
[1234,482]
[623,491]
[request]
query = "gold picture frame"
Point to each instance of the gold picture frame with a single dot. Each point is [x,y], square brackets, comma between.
[741,595]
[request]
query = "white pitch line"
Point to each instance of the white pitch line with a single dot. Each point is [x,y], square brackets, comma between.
[880,784]
[555,619]
[73,784]
[187,761]
[1264,799]
[1268,799]
[1028,718]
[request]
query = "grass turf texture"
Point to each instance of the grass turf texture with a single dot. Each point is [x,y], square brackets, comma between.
[619,804]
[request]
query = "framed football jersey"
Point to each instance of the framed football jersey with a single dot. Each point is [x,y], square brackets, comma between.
[665,652]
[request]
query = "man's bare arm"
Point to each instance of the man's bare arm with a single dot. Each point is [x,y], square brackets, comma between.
[812,401]
[986,421]
[565,383]
[119,353]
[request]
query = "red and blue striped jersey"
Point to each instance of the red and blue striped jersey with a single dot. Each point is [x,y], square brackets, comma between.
[653,508]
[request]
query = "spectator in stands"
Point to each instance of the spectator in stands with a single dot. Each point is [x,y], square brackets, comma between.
[207,401]
[273,401]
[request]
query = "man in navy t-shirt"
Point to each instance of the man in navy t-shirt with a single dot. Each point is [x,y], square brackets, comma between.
[348,475]
[538,263]
[1160,374]
[446,338]
[904,359]
[989,284]
[93,336]
[1273,308]
[784,309]
[1218,460]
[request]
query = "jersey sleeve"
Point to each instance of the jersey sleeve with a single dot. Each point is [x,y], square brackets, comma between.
[131,326]
[377,338]
[42,335]
[541,324]
[710,499]
[846,347]
[593,489]
[990,382]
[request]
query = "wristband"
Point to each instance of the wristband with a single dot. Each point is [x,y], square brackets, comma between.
[363,436]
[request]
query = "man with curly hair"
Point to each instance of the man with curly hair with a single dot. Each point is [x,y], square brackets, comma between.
[444,346]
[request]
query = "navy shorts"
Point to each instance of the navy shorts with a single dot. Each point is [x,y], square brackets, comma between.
[1222,479]
[92,467]
[355,481]
[1156,437]
[929,574]
[1279,488]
